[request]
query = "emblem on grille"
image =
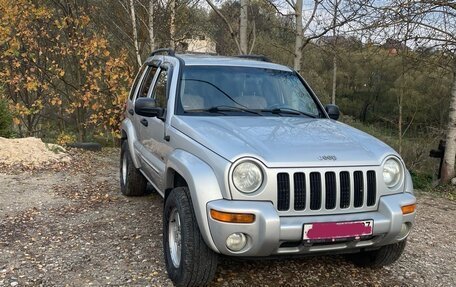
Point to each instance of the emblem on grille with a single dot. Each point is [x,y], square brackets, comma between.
[327,157]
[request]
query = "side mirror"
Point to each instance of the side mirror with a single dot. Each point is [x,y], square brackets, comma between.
[146,107]
[333,111]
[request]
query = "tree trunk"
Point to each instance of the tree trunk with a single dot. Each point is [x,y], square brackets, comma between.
[447,172]
[172,24]
[298,40]
[334,81]
[228,25]
[135,31]
[243,26]
[151,25]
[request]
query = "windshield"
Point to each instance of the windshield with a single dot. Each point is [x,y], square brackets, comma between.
[208,90]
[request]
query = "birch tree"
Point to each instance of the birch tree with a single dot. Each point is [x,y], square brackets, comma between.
[242,41]
[243,19]
[135,31]
[308,28]
[334,79]
[433,24]
[151,25]
[172,24]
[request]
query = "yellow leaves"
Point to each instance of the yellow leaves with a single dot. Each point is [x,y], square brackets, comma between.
[31,85]
[56,102]
[74,70]
[95,106]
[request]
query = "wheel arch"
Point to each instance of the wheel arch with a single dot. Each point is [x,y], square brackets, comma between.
[188,170]
[128,133]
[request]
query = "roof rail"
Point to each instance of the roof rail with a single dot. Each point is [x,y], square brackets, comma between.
[163,50]
[255,57]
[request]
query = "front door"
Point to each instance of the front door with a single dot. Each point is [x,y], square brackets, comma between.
[152,132]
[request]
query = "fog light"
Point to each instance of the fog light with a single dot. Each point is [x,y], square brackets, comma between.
[405,230]
[236,241]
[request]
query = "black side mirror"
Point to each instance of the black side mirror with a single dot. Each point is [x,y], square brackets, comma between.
[146,107]
[333,111]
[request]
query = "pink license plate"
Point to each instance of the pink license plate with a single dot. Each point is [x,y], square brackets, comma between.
[337,230]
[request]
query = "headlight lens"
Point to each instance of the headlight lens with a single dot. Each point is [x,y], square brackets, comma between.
[247,177]
[391,172]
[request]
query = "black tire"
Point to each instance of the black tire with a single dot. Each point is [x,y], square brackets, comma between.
[198,263]
[386,255]
[134,183]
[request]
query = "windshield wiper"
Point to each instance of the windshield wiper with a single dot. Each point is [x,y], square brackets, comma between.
[218,89]
[288,111]
[218,109]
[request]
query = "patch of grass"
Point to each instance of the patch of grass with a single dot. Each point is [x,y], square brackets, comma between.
[54,148]
[415,148]
[421,181]
[446,191]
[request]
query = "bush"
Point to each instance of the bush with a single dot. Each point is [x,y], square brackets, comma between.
[6,120]
[65,138]
[421,180]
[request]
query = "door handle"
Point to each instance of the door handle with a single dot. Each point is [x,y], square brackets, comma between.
[131,111]
[144,122]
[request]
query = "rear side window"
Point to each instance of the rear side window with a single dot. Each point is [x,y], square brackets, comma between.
[136,82]
[147,82]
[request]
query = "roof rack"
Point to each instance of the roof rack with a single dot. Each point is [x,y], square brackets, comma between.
[255,57]
[169,51]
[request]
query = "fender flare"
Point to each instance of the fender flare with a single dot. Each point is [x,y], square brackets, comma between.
[129,130]
[202,184]
[408,182]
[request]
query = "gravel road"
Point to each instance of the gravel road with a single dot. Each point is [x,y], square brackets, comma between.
[71,227]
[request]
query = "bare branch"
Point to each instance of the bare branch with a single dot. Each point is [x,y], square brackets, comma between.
[232,33]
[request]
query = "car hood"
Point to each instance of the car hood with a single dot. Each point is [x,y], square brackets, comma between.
[284,141]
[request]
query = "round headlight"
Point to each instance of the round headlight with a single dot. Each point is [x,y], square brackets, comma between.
[391,172]
[247,177]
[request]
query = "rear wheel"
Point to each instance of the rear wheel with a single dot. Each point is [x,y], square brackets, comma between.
[189,261]
[386,255]
[132,181]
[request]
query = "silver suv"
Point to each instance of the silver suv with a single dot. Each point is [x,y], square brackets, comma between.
[250,164]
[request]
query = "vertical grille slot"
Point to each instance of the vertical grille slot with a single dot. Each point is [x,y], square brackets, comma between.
[299,191]
[283,191]
[315,190]
[344,189]
[371,188]
[330,183]
[358,184]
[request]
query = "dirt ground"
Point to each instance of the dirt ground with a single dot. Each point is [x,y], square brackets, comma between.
[71,227]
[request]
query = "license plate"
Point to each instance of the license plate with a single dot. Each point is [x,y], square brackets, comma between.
[337,230]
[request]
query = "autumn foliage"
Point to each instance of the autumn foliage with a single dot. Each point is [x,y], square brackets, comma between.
[57,71]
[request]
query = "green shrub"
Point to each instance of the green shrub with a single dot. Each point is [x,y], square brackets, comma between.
[6,120]
[421,180]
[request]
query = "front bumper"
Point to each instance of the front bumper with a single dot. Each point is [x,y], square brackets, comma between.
[271,234]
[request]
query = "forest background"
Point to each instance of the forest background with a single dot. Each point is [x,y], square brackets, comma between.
[66,66]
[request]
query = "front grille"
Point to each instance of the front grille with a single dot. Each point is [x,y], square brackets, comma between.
[315,190]
[326,190]
[299,191]
[283,191]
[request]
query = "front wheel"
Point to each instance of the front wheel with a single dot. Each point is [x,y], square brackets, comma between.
[189,261]
[386,255]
